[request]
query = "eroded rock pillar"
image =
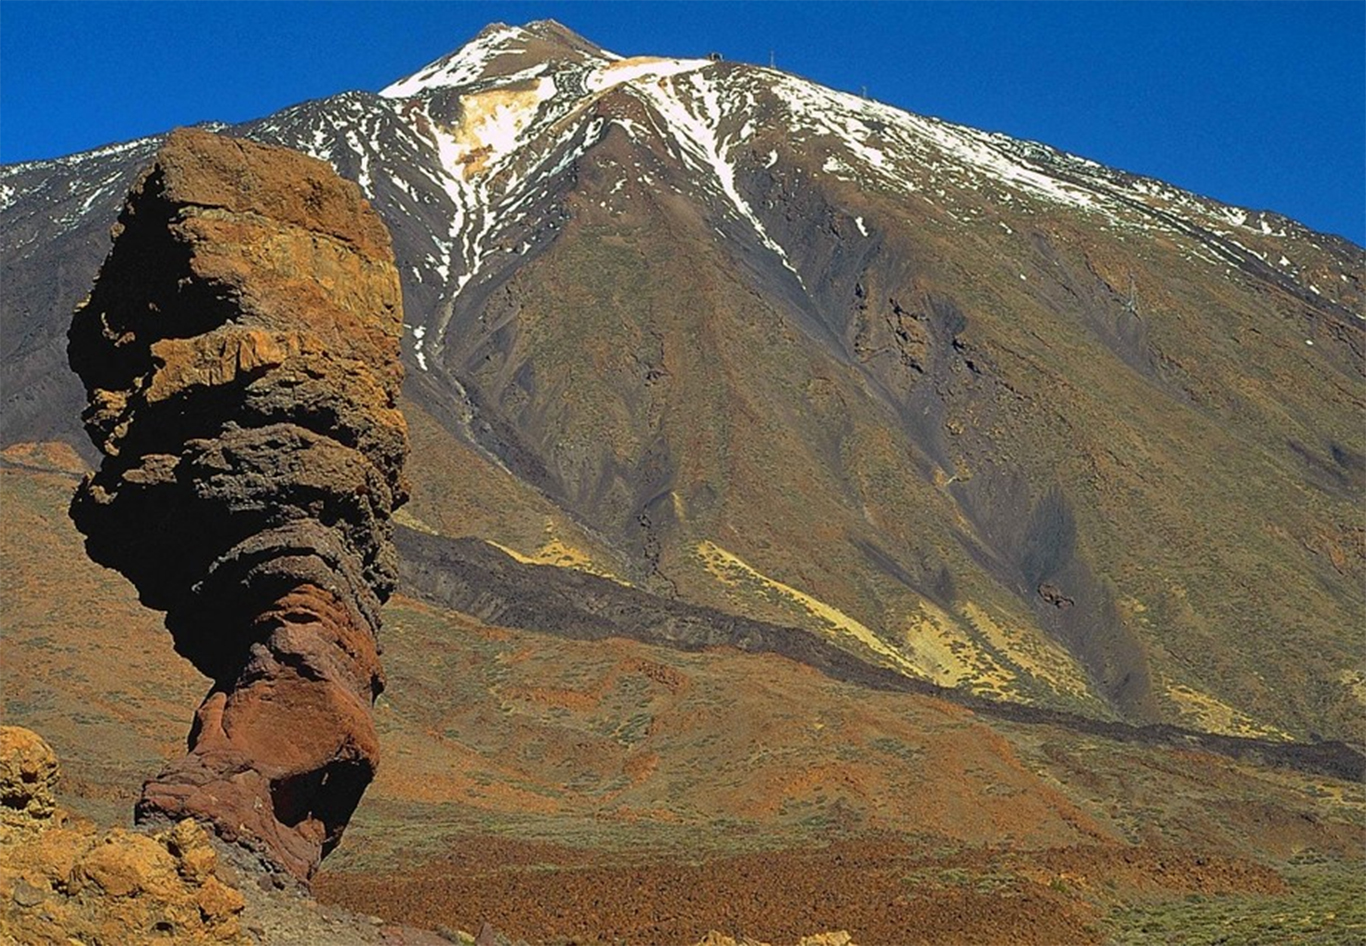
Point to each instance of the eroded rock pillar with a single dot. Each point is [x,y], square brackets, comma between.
[240,353]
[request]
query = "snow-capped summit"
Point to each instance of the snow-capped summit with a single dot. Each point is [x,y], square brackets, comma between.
[467,155]
[501,52]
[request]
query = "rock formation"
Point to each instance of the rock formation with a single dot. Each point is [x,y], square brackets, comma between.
[28,773]
[63,881]
[240,357]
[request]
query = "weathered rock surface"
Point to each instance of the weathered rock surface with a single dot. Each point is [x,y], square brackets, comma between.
[240,356]
[28,772]
[64,881]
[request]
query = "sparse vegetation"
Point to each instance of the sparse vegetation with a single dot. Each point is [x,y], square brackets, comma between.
[1324,906]
[501,736]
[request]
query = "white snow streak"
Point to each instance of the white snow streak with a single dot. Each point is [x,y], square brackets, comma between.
[461,67]
[897,147]
[702,145]
[639,68]
[493,171]
[419,331]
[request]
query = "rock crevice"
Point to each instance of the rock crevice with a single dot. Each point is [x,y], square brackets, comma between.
[240,356]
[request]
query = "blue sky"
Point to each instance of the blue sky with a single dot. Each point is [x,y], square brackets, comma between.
[1258,104]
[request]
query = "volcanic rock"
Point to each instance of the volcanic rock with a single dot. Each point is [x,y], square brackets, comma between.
[833,938]
[240,357]
[28,772]
[63,881]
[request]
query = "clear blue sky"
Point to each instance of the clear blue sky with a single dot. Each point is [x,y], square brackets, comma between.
[1259,104]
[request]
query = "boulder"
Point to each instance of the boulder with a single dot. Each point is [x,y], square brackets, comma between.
[62,880]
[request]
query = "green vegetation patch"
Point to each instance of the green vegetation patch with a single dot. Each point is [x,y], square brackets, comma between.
[1325,906]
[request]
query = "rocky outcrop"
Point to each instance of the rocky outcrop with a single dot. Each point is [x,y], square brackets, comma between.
[63,881]
[28,772]
[240,357]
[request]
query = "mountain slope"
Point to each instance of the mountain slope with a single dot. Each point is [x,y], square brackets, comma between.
[530,776]
[972,409]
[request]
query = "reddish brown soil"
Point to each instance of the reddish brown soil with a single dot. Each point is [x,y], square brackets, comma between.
[881,891]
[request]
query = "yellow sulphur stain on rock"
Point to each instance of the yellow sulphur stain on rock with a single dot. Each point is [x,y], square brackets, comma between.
[1214,715]
[1355,682]
[1030,652]
[556,552]
[730,569]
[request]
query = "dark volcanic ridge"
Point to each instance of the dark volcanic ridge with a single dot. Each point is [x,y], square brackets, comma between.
[470,576]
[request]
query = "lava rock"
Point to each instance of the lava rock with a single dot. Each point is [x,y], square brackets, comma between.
[239,352]
[62,880]
[28,773]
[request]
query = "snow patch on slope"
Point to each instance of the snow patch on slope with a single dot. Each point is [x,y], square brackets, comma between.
[639,68]
[693,115]
[517,131]
[462,67]
[898,147]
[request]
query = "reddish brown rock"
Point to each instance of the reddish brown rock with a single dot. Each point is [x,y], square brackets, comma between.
[240,355]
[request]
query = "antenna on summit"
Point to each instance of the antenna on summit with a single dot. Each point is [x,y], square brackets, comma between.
[770,59]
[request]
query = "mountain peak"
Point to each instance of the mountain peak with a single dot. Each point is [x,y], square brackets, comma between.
[553,31]
[500,51]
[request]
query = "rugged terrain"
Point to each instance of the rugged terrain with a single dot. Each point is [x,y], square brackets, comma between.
[61,879]
[801,489]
